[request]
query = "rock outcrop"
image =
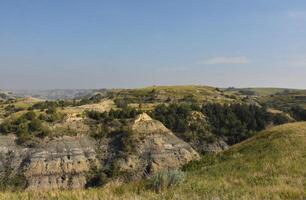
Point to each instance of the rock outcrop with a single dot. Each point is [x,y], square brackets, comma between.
[58,164]
[157,148]
[210,147]
[209,143]
[65,162]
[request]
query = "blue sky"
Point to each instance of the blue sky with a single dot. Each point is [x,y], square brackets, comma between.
[96,44]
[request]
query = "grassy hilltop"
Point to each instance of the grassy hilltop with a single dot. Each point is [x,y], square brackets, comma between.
[270,165]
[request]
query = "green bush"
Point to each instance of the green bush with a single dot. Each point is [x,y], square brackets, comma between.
[6,127]
[12,109]
[35,125]
[124,113]
[27,127]
[121,103]
[100,132]
[166,179]
[16,182]
[173,116]
[128,141]
[25,138]
[31,115]
[95,178]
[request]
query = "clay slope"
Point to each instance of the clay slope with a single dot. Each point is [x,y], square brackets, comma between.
[65,162]
[157,148]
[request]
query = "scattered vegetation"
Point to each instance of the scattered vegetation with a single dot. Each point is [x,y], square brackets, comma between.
[235,122]
[256,166]
[16,182]
[121,114]
[165,179]
[65,103]
[96,178]
[30,126]
[271,165]
[11,108]
[298,113]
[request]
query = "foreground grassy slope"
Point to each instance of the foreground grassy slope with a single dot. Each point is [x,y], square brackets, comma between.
[269,166]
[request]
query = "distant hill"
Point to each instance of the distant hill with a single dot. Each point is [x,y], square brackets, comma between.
[54,94]
[5,95]
[173,94]
[261,91]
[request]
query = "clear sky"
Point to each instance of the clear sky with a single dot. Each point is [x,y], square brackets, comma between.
[133,43]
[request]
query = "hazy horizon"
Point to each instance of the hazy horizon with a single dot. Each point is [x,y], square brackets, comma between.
[109,88]
[131,44]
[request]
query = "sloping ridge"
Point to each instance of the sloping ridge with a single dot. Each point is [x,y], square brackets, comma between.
[144,124]
[282,148]
[287,139]
[270,165]
[156,148]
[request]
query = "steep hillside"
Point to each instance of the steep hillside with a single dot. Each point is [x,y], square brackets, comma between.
[270,165]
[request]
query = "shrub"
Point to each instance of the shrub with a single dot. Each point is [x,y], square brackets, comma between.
[44,132]
[100,132]
[247,92]
[173,116]
[166,179]
[125,113]
[35,125]
[236,122]
[43,117]
[298,113]
[54,117]
[12,109]
[31,115]
[95,178]
[6,127]
[24,138]
[9,182]
[121,103]
[128,141]
[26,127]
[280,119]
[51,110]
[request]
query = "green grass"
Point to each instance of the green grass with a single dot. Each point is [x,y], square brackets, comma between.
[270,165]
[285,102]
[268,91]
[162,94]
[265,91]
